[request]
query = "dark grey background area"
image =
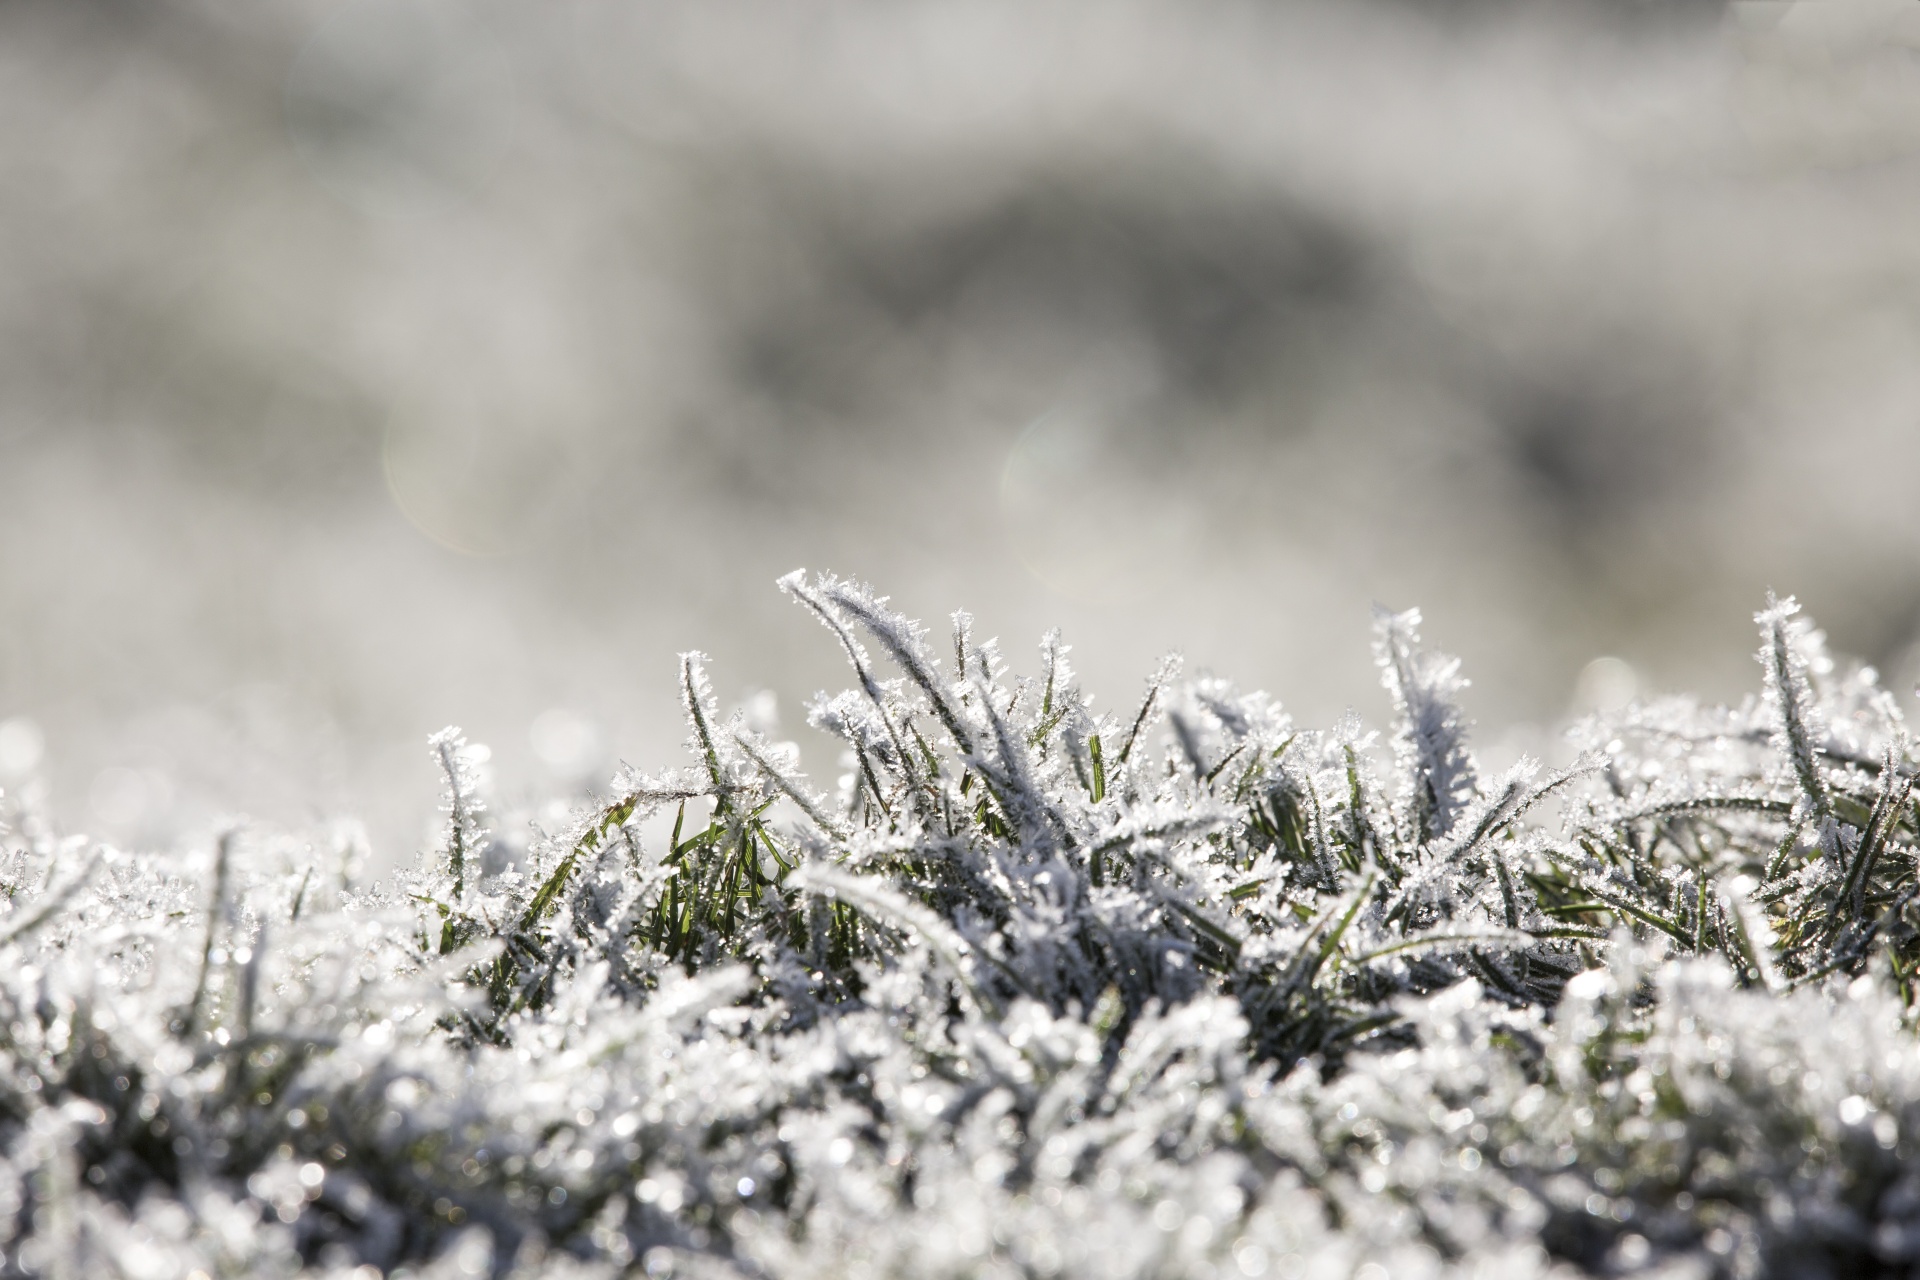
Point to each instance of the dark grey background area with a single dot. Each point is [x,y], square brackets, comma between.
[370,366]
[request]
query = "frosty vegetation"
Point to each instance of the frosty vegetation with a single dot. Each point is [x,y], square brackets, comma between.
[1185,990]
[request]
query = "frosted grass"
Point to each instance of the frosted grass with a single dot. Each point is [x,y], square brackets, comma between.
[1180,990]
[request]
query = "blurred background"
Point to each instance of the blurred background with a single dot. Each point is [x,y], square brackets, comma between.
[371,365]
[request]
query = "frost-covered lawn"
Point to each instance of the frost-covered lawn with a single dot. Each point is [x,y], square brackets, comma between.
[1187,991]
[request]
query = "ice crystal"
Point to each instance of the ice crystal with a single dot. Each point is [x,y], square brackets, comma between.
[1187,990]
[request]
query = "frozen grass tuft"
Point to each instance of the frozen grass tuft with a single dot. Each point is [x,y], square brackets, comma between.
[1183,990]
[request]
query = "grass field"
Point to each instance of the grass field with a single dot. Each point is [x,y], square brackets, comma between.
[1029,990]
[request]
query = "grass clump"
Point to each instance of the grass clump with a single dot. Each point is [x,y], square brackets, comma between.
[1188,990]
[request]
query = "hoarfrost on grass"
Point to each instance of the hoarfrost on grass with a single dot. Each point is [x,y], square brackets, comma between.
[1179,990]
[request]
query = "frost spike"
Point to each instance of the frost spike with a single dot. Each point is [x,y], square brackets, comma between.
[1169,668]
[816,599]
[1789,692]
[1437,773]
[464,830]
[791,787]
[901,639]
[695,694]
